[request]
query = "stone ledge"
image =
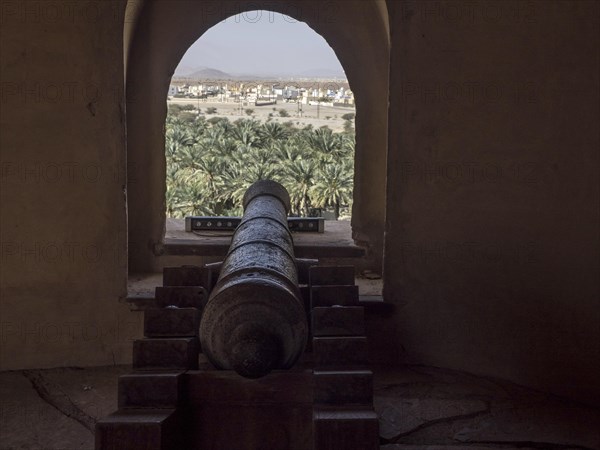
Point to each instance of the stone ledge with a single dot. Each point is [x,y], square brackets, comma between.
[335,242]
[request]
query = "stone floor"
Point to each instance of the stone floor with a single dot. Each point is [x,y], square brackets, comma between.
[434,409]
[419,408]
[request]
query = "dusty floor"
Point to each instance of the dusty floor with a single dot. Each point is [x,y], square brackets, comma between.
[419,408]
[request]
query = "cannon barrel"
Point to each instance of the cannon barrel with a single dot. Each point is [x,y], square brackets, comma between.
[254,320]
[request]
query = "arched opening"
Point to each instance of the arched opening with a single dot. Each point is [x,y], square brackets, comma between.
[163,33]
[259,95]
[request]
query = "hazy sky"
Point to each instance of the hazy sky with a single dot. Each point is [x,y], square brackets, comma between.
[261,42]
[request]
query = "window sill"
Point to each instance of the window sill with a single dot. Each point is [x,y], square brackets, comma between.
[335,242]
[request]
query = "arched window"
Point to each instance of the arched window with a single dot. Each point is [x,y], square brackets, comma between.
[284,110]
[163,33]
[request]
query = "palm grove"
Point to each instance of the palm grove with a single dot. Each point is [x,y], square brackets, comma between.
[211,163]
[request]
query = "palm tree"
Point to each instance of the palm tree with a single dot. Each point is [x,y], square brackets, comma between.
[198,127]
[299,179]
[177,136]
[192,203]
[211,163]
[324,141]
[240,180]
[207,171]
[274,132]
[173,194]
[286,152]
[333,187]
[247,132]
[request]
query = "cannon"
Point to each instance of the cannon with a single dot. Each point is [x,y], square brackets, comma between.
[184,392]
[254,320]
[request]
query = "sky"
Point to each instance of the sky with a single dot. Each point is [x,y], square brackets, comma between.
[261,42]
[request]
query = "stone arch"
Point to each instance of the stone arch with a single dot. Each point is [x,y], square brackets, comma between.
[356,30]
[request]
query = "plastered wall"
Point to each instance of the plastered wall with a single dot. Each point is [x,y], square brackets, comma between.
[491,253]
[493,203]
[63,214]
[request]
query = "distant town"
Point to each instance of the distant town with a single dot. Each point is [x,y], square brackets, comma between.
[317,102]
[332,92]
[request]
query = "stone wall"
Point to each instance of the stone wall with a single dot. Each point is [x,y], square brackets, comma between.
[492,207]
[63,217]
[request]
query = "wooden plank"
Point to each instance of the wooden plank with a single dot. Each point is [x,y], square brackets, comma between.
[229,412]
[340,351]
[150,390]
[334,295]
[303,265]
[180,296]
[331,275]
[347,429]
[344,387]
[166,353]
[171,322]
[150,429]
[185,276]
[226,386]
[338,321]
[251,427]
[305,295]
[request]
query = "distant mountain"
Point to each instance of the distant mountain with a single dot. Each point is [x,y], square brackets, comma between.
[183,71]
[208,73]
